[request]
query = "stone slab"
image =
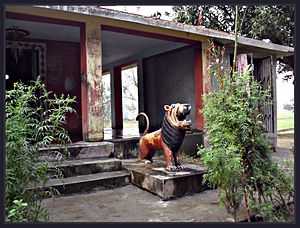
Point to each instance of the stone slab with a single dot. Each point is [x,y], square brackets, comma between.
[86,183]
[132,204]
[85,166]
[125,148]
[167,185]
[79,150]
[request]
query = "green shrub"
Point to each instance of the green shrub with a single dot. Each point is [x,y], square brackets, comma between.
[17,212]
[34,118]
[238,157]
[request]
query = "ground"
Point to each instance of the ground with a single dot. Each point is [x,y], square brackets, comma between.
[285,120]
[131,204]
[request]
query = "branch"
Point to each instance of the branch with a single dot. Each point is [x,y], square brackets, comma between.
[236,37]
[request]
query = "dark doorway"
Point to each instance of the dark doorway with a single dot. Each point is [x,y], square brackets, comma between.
[21,65]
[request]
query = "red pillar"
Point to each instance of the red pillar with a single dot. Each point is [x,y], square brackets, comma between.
[84,95]
[199,122]
[117,122]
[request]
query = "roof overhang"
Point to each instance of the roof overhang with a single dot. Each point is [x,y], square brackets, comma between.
[197,30]
[275,49]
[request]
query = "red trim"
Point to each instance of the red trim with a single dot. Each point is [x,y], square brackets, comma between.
[84,84]
[28,17]
[171,51]
[118,98]
[147,34]
[198,89]
[124,65]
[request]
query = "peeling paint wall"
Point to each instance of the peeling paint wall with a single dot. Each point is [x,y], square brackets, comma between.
[94,74]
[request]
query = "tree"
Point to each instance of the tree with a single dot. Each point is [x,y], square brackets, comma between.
[238,159]
[130,93]
[273,22]
[106,95]
[259,22]
[290,106]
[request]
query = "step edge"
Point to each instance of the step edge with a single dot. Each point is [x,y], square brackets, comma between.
[60,181]
[62,165]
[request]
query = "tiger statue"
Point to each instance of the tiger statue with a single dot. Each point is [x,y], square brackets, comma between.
[168,138]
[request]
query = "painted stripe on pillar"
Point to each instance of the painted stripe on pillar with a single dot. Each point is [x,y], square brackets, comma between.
[198,89]
[118,97]
[84,95]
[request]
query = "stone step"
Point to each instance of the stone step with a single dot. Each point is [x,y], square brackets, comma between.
[78,150]
[71,168]
[125,148]
[167,185]
[86,183]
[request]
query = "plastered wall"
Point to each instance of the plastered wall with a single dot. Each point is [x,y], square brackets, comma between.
[168,78]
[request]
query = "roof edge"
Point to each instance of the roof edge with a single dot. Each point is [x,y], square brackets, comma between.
[172,25]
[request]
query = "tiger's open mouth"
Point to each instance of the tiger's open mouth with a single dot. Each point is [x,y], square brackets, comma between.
[182,113]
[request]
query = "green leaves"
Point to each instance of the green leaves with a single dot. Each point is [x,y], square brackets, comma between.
[238,158]
[34,118]
[17,213]
[273,22]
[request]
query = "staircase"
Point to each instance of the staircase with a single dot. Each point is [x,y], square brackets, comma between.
[88,169]
[91,167]
[85,175]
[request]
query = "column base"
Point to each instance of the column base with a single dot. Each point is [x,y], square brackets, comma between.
[117,133]
[95,137]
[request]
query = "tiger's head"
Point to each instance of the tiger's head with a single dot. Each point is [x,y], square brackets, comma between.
[177,113]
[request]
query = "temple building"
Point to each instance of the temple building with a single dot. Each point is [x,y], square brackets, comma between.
[71,49]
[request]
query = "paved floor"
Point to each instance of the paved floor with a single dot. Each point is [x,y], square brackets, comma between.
[131,204]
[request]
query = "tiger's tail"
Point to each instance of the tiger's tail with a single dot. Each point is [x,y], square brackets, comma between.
[147,121]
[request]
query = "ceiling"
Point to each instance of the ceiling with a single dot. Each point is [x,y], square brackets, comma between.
[46,30]
[115,46]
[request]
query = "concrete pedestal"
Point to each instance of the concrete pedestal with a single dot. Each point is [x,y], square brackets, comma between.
[167,185]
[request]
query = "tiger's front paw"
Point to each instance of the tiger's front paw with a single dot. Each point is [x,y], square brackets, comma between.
[171,168]
[147,161]
[179,167]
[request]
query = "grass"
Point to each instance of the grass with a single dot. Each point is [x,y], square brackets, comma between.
[285,120]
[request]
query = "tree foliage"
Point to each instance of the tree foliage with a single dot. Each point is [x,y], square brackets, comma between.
[273,22]
[34,118]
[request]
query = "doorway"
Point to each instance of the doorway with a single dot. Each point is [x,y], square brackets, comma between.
[21,65]
[130,105]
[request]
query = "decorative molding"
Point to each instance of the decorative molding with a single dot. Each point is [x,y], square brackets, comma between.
[40,47]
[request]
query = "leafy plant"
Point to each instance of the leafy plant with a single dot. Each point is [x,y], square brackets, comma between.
[34,118]
[238,158]
[17,213]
